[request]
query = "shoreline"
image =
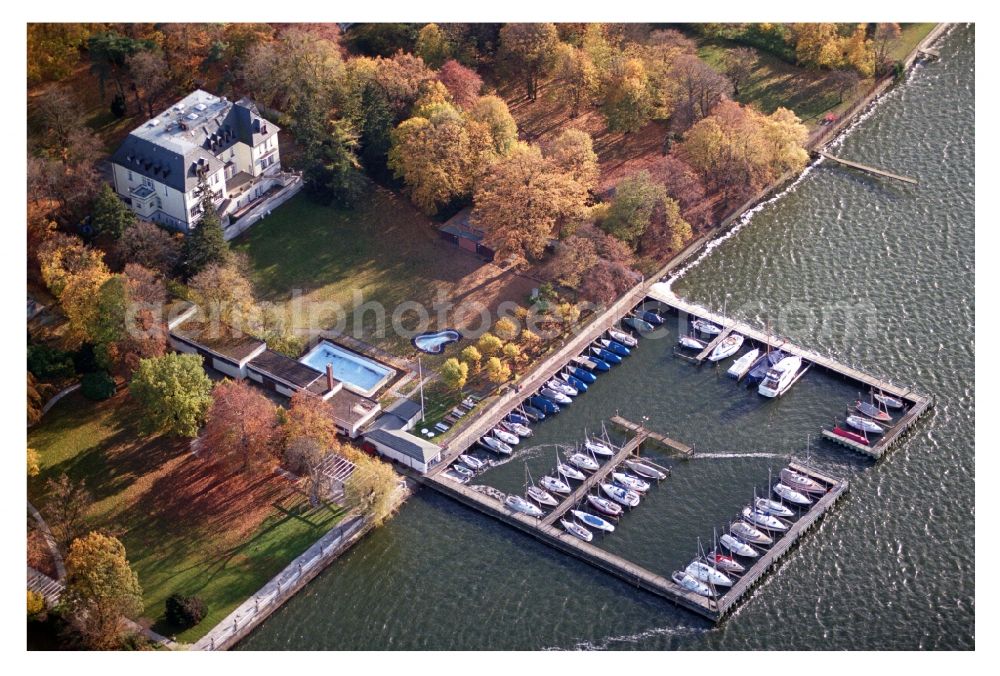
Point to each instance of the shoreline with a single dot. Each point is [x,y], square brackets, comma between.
[727,226]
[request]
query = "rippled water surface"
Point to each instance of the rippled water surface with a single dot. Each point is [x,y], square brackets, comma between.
[879,275]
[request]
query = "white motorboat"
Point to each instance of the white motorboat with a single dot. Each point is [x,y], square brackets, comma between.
[496,445]
[472,462]
[550,483]
[560,386]
[506,437]
[771,507]
[623,338]
[604,506]
[593,521]
[800,482]
[462,470]
[790,494]
[692,343]
[765,521]
[517,428]
[780,376]
[706,327]
[598,448]
[644,470]
[864,424]
[739,368]
[542,496]
[454,476]
[583,462]
[729,346]
[629,481]
[577,530]
[723,562]
[622,496]
[738,547]
[887,401]
[749,534]
[519,504]
[705,573]
[555,396]
[570,472]
[691,584]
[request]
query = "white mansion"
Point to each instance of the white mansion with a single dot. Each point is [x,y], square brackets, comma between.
[158,168]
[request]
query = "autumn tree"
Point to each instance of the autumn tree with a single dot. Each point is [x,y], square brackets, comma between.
[109,52]
[101,590]
[371,488]
[885,36]
[241,428]
[512,353]
[471,356]
[625,96]
[54,49]
[33,463]
[454,373]
[505,329]
[56,112]
[520,201]
[575,257]
[463,83]
[80,301]
[698,87]
[684,185]
[527,51]
[576,75]
[496,371]
[844,82]
[332,169]
[667,231]
[310,417]
[572,151]
[438,156]
[298,65]
[148,70]
[432,45]
[492,112]
[129,325]
[739,64]
[62,257]
[111,216]
[151,246]
[303,456]
[66,505]
[174,393]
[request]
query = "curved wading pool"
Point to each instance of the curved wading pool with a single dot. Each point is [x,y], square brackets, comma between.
[435,341]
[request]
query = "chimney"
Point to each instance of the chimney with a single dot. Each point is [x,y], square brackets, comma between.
[329,377]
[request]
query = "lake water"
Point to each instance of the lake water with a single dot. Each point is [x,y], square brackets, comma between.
[877,274]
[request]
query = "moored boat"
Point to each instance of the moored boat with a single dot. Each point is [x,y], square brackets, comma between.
[517,418]
[692,343]
[557,397]
[554,485]
[508,438]
[739,367]
[583,462]
[614,346]
[472,462]
[644,470]
[792,495]
[604,506]
[582,374]
[872,411]
[638,324]
[547,406]
[853,436]
[519,504]
[598,448]
[576,529]
[622,496]
[691,584]
[651,317]
[560,386]
[600,364]
[496,445]
[462,470]
[864,424]
[723,562]
[606,355]
[703,572]
[516,428]
[763,364]
[541,496]
[570,472]
[594,521]
[738,547]
[772,508]
[533,413]
[749,534]
[706,327]
[623,338]
[727,347]
[761,520]
[801,482]
[574,382]
[779,378]
[887,401]
[628,481]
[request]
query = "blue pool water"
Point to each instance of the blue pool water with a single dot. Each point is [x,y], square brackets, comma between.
[365,375]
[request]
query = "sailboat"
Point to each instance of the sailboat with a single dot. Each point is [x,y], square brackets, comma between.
[569,472]
[560,386]
[472,462]
[554,485]
[790,494]
[634,483]
[623,338]
[598,448]
[593,521]
[703,572]
[644,470]
[577,530]
[692,343]
[872,411]
[727,347]
[508,438]
[614,346]
[604,506]
[583,462]
[574,382]
[738,547]
[739,367]
[496,445]
[772,508]
[864,424]
[706,327]
[621,495]
[516,428]
[685,580]
[519,504]
[887,401]
[800,482]
[539,495]
[749,534]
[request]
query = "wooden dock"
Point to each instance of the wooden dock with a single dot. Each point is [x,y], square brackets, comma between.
[703,355]
[916,403]
[575,497]
[649,435]
[642,578]
[864,167]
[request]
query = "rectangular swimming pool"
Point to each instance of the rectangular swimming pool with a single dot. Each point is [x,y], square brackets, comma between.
[359,374]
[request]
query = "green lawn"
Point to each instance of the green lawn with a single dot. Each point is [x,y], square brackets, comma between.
[385,251]
[910,37]
[186,528]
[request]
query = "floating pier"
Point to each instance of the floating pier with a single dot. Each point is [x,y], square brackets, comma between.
[864,167]
[648,435]
[703,355]
[642,578]
[916,403]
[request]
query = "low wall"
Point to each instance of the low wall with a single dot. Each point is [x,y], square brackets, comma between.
[250,218]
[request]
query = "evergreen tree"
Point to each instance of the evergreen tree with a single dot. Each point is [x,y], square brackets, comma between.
[110,216]
[205,244]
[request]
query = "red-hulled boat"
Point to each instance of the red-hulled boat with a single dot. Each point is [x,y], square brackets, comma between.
[848,434]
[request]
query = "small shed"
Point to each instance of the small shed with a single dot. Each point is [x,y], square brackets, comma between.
[459,231]
[414,452]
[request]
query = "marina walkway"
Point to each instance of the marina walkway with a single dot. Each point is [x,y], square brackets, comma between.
[865,168]
[649,435]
